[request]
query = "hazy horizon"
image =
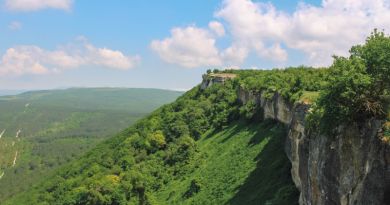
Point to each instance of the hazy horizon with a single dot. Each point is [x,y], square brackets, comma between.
[7,92]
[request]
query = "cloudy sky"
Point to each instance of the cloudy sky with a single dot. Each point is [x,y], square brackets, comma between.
[48,44]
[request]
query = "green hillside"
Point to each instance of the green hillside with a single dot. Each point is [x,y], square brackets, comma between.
[197,150]
[243,164]
[57,126]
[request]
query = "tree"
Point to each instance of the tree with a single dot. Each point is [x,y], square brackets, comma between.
[252,111]
[376,55]
[157,140]
[347,95]
[358,86]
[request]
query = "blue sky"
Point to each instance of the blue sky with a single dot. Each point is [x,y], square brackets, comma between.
[135,44]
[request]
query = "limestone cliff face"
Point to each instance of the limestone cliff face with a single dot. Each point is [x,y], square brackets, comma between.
[215,78]
[276,107]
[352,167]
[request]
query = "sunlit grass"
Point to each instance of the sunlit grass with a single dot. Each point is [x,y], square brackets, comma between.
[309,97]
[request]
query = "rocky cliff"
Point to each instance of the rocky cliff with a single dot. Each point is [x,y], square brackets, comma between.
[351,167]
[213,78]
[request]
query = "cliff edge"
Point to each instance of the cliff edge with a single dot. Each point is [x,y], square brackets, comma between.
[350,167]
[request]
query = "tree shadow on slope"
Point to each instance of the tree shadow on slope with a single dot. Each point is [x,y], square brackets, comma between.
[243,126]
[240,127]
[267,130]
[270,182]
[233,130]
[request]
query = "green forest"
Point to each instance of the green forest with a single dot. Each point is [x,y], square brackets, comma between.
[43,130]
[208,148]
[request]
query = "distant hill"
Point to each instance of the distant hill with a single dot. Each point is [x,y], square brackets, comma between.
[41,130]
[10,92]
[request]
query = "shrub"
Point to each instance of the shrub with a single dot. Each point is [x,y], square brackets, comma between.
[252,111]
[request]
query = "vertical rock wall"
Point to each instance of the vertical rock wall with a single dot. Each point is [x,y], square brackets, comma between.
[351,167]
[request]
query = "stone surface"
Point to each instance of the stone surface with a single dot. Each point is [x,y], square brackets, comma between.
[215,78]
[351,167]
[276,107]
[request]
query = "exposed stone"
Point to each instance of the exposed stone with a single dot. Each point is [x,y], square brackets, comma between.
[351,167]
[276,107]
[215,78]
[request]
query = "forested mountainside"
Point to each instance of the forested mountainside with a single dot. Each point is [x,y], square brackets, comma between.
[231,139]
[42,130]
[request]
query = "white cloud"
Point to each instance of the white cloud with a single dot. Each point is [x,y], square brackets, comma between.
[235,54]
[29,59]
[254,27]
[15,25]
[34,5]
[217,28]
[188,47]
[275,53]
[318,31]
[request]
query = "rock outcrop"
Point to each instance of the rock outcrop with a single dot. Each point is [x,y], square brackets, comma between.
[351,167]
[276,107]
[215,78]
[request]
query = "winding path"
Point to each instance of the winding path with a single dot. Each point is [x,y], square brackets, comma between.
[17,133]
[1,134]
[16,155]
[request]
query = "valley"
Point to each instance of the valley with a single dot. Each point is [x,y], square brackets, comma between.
[43,130]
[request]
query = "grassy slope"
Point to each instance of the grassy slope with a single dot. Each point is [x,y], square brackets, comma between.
[243,164]
[57,126]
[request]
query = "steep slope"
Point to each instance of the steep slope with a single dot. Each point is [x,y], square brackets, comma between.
[41,130]
[243,164]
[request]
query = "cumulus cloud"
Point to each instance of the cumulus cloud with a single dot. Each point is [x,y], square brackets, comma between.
[317,31]
[235,54]
[217,28]
[260,28]
[188,47]
[275,53]
[33,5]
[253,27]
[29,59]
[15,25]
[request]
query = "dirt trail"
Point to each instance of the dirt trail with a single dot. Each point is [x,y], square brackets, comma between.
[1,176]
[17,133]
[1,134]
[16,155]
